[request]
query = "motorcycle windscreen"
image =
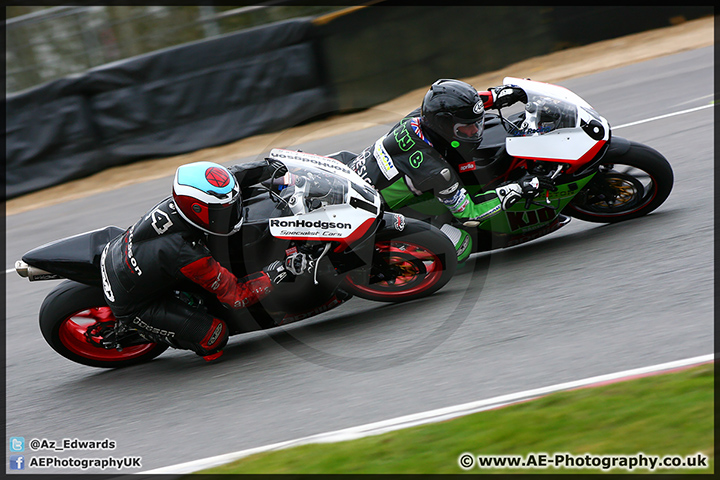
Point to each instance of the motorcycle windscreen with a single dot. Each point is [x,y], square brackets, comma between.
[322,208]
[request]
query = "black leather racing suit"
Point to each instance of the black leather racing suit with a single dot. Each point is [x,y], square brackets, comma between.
[141,268]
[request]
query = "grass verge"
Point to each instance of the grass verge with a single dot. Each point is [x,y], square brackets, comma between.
[668,414]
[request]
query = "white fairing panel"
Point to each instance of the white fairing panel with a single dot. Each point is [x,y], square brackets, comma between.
[559,145]
[337,222]
[559,125]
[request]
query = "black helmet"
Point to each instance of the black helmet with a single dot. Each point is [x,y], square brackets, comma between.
[454,110]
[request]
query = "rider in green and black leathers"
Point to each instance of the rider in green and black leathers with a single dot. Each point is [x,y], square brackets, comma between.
[427,150]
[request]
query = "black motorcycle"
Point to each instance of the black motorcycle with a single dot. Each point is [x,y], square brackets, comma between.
[325,210]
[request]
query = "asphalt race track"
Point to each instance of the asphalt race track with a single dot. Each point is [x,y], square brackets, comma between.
[587,300]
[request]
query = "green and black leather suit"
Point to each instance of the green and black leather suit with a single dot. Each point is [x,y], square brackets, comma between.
[406,164]
[424,157]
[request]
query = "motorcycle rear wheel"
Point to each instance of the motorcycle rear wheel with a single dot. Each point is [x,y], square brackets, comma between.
[70,311]
[627,186]
[406,265]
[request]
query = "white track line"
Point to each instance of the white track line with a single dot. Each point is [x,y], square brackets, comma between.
[431,416]
[681,112]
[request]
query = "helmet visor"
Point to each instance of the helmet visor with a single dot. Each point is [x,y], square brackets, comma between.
[225,219]
[469,131]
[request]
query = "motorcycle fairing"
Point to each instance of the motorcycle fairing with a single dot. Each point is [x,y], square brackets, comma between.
[343,209]
[517,219]
[561,126]
[76,257]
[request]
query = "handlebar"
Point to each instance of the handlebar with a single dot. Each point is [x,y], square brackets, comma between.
[305,193]
[530,201]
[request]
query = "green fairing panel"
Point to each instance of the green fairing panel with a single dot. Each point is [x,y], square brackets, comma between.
[519,220]
[515,220]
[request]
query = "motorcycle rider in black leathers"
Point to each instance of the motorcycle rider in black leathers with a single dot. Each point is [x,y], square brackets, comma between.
[166,245]
[426,151]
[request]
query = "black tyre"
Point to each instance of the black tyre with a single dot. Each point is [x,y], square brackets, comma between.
[627,186]
[406,265]
[73,316]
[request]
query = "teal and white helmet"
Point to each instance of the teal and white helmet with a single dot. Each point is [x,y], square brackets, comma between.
[208,197]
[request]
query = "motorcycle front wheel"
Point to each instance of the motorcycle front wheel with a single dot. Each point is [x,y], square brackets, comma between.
[626,186]
[406,265]
[74,319]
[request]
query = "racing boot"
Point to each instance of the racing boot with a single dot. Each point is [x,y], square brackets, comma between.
[461,240]
[212,344]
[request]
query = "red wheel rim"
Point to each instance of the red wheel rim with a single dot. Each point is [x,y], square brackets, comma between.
[72,335]
[404,255]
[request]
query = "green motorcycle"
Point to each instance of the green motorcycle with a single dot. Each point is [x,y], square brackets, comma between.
[599,177]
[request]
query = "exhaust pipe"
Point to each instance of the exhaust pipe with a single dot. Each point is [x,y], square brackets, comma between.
[33,273]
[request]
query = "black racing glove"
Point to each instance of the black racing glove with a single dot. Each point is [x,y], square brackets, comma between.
[276,271]
[251,173]
[276,167]
[506,95]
